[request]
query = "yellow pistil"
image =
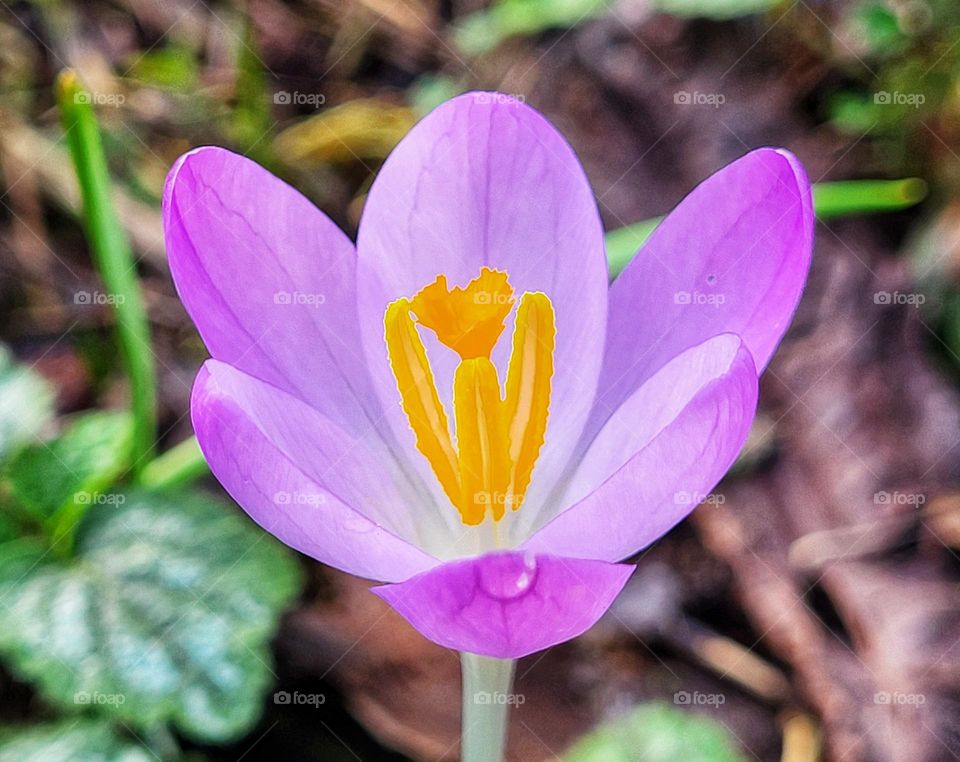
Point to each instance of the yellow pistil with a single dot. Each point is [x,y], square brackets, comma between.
[498,436]
[468,320]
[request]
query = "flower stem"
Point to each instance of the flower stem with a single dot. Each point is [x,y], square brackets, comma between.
[486,693]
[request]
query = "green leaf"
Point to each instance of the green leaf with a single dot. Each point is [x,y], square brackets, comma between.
[163,615]
[881,29]
[26,403]
[113,257]
[853,112]
[250,117]
[714,9]
[173,67]
[74,469]
[484,30]
[69,741]
[9,529]
[656,733]
[430,90]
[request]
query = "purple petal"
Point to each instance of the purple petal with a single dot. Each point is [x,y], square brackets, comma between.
[486,180]
[507,605]
[698,426]
[731,258]
[268,280]
[291,470]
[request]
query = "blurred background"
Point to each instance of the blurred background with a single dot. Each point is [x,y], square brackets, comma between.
[809,609]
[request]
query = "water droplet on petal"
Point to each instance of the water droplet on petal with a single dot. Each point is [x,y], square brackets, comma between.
[523,581]
[508,575]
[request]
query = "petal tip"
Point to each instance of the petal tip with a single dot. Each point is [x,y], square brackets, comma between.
[797,171]
[190,156]
[509,604]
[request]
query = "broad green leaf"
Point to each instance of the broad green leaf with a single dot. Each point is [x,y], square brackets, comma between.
[72,471]
[9,530]
[881,29]
[162,616]
[656,733]
[69,741]
[26,403]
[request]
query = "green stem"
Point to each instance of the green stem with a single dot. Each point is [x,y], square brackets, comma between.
[113,258]
[486,698]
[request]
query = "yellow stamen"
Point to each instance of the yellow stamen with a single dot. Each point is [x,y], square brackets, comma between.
[528,388]
[419,398]
[498,436]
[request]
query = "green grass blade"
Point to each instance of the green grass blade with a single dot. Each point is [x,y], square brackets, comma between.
[113,257]
[866,196]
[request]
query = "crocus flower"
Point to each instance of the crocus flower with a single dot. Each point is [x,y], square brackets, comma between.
[461,405]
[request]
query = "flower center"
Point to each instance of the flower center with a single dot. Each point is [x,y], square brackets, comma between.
[499,433]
